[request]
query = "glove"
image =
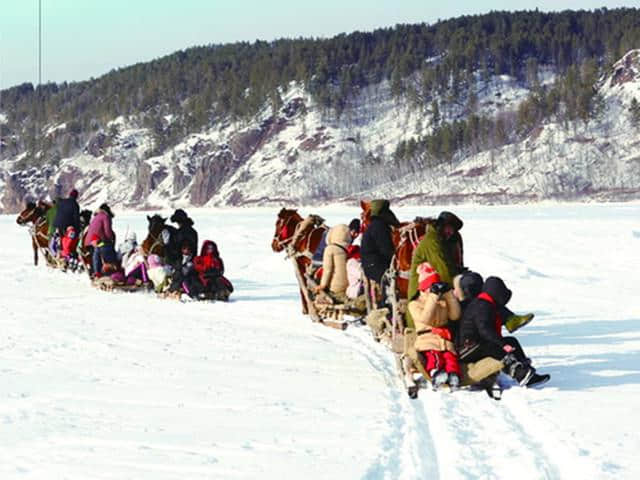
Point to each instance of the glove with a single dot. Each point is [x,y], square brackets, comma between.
[439,288]
[508,348]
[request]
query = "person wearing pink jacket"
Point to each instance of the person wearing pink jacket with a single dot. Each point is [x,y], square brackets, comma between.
[101,238]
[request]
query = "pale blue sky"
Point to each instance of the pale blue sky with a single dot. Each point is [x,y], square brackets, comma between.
[87,38]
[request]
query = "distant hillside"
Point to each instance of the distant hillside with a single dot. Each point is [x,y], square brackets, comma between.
[500,107]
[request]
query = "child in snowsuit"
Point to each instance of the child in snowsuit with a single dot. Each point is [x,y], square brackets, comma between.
[184,277]
[480,335]
[431,311]
[210,268]
[69,245]
[132,260]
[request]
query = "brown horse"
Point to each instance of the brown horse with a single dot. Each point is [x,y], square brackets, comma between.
[36,215]
[405,240]
[300,237]
[154,243]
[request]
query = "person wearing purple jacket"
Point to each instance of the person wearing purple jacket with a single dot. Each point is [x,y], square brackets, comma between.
[101,238]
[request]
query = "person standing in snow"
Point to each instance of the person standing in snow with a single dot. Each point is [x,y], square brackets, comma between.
[480,335]
[432,311]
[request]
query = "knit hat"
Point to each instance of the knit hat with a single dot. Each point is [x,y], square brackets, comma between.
[73,193]
[471,284]
[496,288]
[131,236]
[427,276]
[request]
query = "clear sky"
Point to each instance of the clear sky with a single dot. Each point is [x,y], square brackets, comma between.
[87,38]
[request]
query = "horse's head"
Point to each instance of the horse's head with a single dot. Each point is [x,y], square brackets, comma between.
[365,215]
[285,228]
[153,243]
[31,213]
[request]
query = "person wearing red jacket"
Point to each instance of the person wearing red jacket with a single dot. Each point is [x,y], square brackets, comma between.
[69,245]
[210,269]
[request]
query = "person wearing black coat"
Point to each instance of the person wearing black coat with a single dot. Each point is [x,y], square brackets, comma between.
[184,234]
[376,249]
[68,213]
[479,334]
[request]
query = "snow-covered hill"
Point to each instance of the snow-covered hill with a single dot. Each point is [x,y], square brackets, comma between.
[305,155]
[110,386]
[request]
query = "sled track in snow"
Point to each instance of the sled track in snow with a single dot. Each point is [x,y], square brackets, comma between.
[407,450]
[490,440]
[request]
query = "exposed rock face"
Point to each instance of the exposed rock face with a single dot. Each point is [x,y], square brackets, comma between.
[15,195]
[147,180]
[626,69]
[210,175]
[97,144]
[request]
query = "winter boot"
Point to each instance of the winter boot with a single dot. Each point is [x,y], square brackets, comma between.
[514,322]
[516,369]
[440,378]
[537,380]
[453,381]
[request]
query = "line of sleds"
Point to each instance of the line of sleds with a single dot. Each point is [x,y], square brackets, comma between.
[134,268]
[299,237]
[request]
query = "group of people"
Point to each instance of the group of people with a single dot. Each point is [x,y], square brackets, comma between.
[458,316]
[178,272]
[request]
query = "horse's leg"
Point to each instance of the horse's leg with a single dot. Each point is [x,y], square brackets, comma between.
[305,309]
[35,252]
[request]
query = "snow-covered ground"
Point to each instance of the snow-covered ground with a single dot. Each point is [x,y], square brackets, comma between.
[98,385]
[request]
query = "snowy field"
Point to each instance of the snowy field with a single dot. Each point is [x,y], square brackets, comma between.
[97,385]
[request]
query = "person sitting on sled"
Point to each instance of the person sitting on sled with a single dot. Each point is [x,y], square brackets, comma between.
[210,269]
[480,335]
[334,264]
[132,260]
[69,245]
[184,278]
[468,286]
[432,310]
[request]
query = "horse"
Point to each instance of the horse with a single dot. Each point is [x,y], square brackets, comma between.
[36,215]
[300,237]
[154,243]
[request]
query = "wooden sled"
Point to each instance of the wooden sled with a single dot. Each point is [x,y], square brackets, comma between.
[330,312]
[108,285]
[472,373]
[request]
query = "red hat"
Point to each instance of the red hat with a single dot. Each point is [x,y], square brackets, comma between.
[73,193]
[427,276]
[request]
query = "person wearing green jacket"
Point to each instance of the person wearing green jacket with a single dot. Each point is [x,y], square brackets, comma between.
[441,246]
[51,216]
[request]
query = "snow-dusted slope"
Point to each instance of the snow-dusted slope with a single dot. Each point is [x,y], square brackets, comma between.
[305,155]
[98,385]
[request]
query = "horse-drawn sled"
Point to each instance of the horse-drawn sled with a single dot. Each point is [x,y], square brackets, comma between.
[299,237]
